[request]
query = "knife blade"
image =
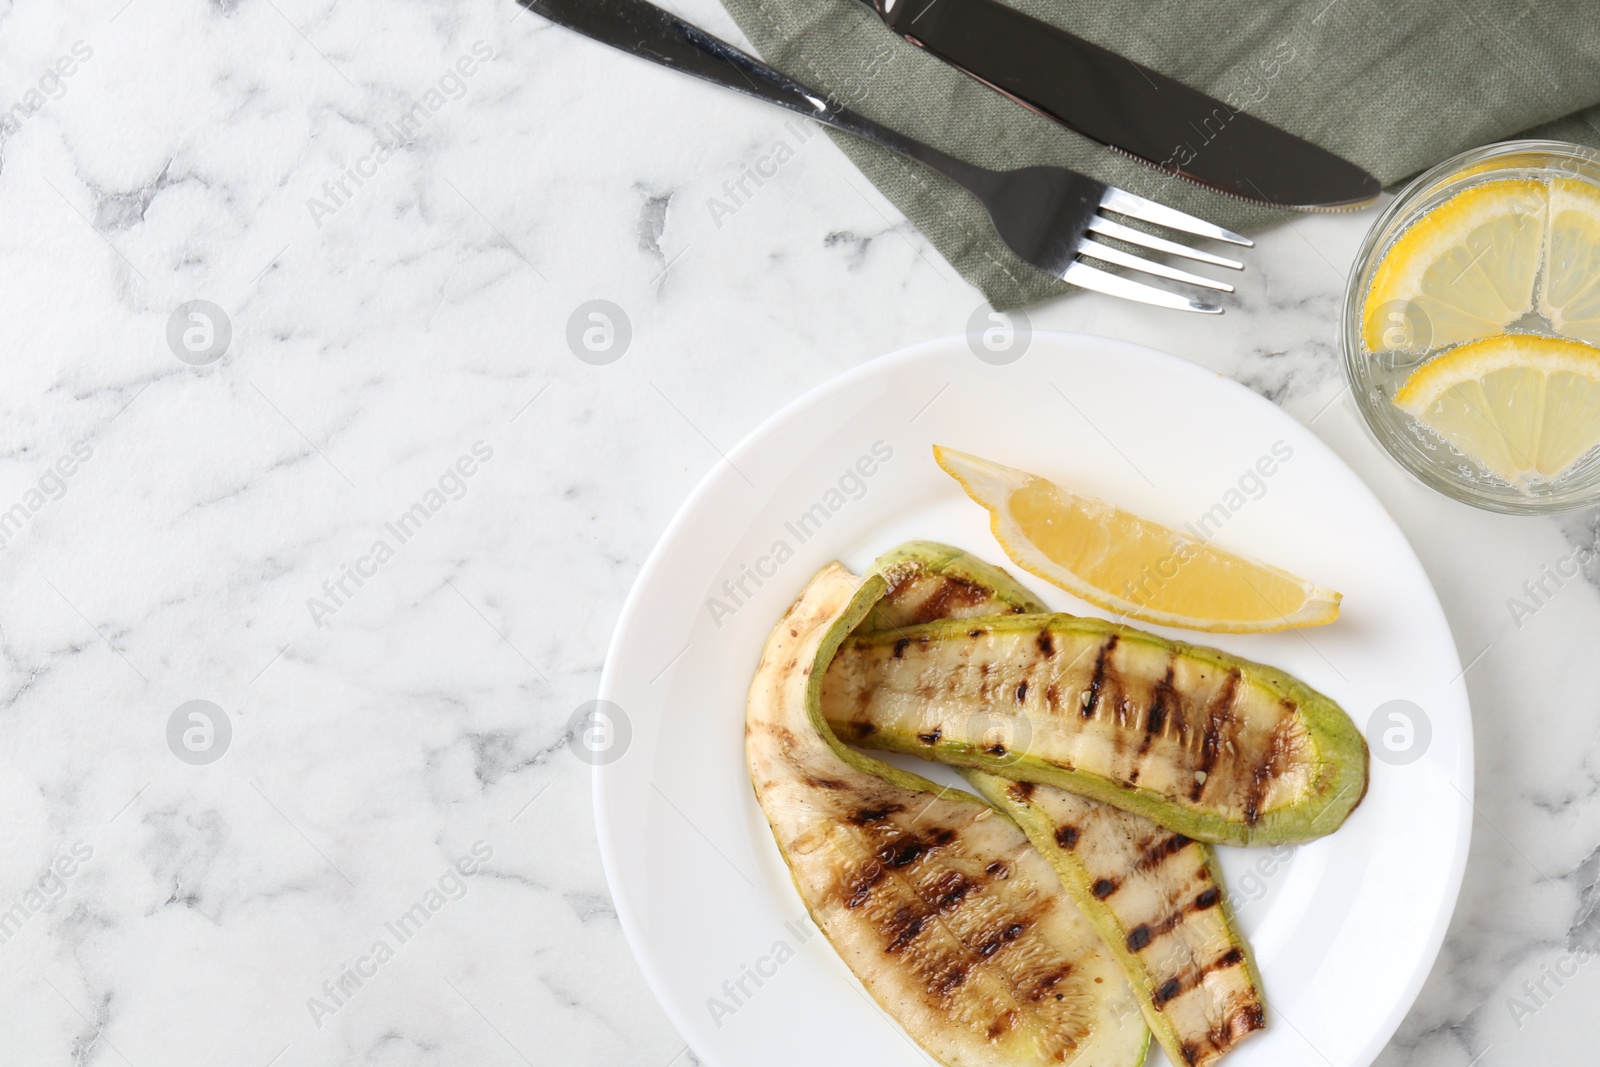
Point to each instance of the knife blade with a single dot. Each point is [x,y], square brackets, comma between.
[1128,107]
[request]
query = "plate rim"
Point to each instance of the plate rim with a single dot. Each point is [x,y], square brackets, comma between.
[726,467]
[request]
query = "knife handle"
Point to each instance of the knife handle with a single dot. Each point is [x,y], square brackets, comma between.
[647,31]
[642,29]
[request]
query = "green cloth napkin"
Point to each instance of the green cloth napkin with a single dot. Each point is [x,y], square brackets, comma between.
[1394,87]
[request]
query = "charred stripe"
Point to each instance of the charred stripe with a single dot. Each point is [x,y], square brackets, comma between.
[1099,676]
[951,593]
[905,925]
[1159,852]
[863,816]
[1219,711]
[1155,719]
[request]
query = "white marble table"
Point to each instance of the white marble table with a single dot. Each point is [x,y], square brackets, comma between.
[178,531]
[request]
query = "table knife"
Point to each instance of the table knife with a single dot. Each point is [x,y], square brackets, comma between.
[1128,107]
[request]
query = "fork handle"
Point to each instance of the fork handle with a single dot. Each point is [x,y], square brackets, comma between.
[642,29]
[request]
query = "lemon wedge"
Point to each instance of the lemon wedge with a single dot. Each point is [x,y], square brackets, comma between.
[1465,270]
[1571,291]
[1131,566]
[1519,404]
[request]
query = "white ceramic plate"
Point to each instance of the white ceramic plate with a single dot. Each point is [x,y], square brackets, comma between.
[1345,928]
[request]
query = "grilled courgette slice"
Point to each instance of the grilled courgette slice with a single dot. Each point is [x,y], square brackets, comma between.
[1158,901]
[1206,744]
[1155,897]
[951,919]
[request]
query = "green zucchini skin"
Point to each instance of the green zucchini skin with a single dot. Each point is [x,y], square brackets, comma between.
[1156,898]
[936,901]
[1206,744]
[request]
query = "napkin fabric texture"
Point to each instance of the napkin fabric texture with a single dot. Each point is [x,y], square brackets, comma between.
[1393,87]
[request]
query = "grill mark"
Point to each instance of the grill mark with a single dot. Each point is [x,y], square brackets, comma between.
[1067,836]
[1207,899]
[1246,1020]
[998,939]
[1006,1021]
[862,884]
[1047,646]
[997,870]
[932,736]
[1158,853]
[1022,790]
[1052,696]
[1022,692]
[1231,958]
[1267,768]
[912,847]
[863,729]
[1156,718]
[976,633]
[1234,726]
[1170,923]
[1252,1018]
[900,647]
[1218,711]
[1099,677]
[863,816]
[1168,989]
[1252,800]
[1191,1053]
[902,853]
[952,979]
[1049,982]
[1145,933]
[824,783]
[901,576]
[950,594]
[951,890]
[906,925]
[1104,888]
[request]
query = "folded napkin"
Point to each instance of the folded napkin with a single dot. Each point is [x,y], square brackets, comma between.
[1394,87]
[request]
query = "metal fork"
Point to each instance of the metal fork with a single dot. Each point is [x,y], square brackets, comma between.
[1048,216]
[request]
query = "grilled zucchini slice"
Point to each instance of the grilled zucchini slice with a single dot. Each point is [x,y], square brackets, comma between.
[1206,744]
[951,919]
[1156,898]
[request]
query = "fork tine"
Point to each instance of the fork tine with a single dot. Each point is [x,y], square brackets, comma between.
[1087,277]
[1107,228]
[1107,254]
[1125,203]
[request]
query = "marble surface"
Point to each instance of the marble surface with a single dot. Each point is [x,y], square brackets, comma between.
[382,757]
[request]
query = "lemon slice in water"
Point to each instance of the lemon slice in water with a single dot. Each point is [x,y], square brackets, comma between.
[1523,406]
[1571,293]
[1465,270]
